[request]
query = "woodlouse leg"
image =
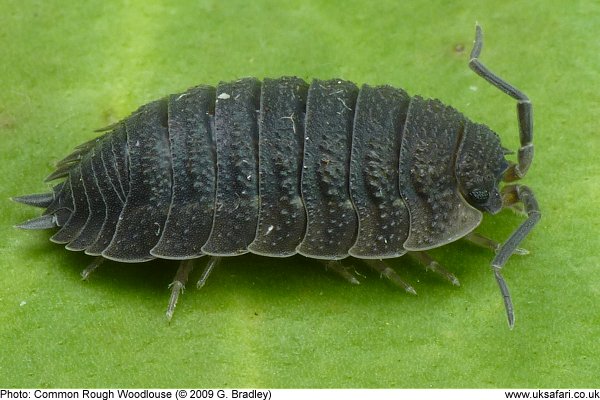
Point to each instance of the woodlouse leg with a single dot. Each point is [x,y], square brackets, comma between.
[512,194]
[524,110]
[212,263]
[487,243]
[85,274]
[432,265]
[178,285]
[385,271]
[337,267]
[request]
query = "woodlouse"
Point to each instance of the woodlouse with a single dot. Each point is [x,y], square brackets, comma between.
[326,170]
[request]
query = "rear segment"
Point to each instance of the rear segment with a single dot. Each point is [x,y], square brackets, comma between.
[143,189]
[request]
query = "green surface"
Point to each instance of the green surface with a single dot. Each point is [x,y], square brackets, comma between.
[67,68]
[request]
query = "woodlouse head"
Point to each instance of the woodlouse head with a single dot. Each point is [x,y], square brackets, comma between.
[480,166]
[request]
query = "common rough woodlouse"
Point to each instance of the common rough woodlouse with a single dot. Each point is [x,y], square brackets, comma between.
[327,171]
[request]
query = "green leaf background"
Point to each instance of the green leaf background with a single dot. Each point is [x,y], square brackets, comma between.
[67,68]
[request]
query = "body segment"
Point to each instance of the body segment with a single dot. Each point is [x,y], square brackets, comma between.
[383,219]
[93,184]
[331,218]
[439,214]
[113,203]
[80,211]
[236,199]
[150,182]
[281,217]
[193,158]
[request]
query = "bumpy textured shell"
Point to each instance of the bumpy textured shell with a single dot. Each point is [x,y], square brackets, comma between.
[275,168]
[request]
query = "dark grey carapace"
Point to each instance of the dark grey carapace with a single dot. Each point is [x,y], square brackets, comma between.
[281,167]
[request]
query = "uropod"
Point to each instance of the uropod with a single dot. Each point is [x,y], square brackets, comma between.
[281,167]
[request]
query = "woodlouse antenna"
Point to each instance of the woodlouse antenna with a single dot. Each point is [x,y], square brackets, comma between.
[524,110]
[513,193]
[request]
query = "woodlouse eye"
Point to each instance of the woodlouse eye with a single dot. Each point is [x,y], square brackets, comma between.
[479,196]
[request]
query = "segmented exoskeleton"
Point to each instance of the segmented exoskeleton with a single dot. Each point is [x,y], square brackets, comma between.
[326,170]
